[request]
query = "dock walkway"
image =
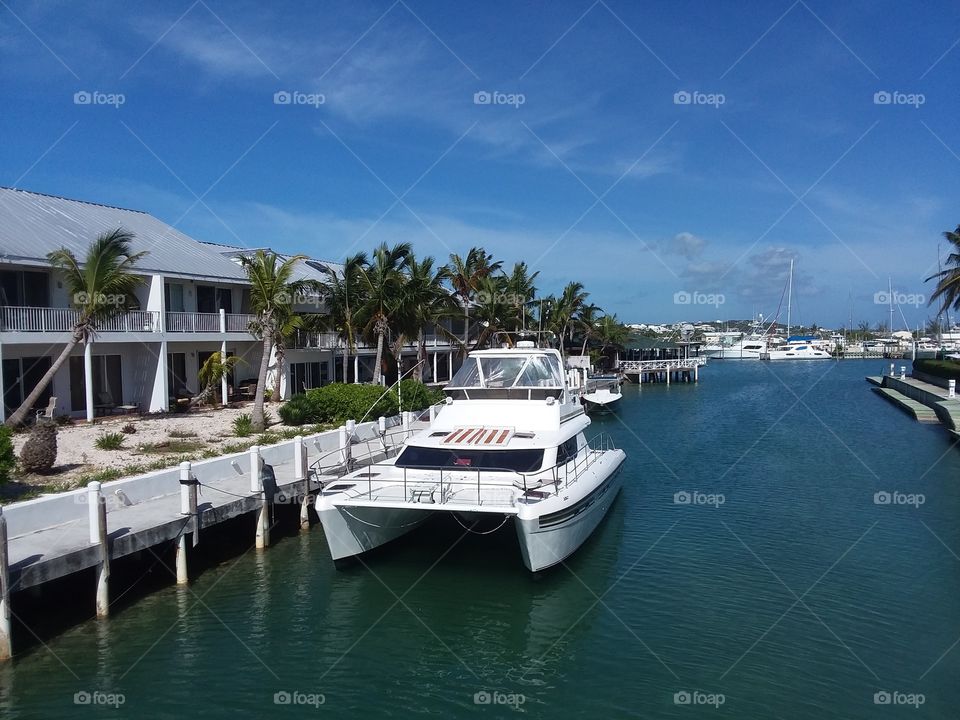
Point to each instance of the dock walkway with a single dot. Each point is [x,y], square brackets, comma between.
[921,399]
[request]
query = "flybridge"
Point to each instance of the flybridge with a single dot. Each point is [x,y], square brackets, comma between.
[478,436]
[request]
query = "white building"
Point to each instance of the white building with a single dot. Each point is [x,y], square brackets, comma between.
[194,301]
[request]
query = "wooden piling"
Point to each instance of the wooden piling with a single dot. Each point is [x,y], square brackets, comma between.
[6,640]
[300,473]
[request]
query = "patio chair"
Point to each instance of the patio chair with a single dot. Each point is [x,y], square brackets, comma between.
[47,412]
[105,403]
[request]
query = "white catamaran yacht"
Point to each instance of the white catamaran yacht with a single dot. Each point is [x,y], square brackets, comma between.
[508,444]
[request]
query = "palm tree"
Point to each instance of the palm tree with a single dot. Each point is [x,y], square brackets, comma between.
[948,280]
[520,291]
[465,274]
[343,294]
[568,305]
[211,374]
[611,332]
[588,319]
[100,289]
[424,302]
[272,295]
[490,309]
[382,281]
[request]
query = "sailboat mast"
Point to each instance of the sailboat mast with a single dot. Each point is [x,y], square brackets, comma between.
[789,297]
[890,297]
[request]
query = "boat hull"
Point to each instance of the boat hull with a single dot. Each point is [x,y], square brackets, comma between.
[352,531]
[550,539]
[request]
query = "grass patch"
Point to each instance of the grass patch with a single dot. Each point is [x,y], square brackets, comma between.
[174,445]
[110,441]
[177,433]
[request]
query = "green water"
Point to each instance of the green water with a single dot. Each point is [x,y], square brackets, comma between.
[797,597]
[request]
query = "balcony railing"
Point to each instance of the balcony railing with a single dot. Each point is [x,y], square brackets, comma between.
[41,319]
[238,323]
[303,339]
[189,322]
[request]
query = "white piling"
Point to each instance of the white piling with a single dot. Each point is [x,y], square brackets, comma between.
[951,388]
[183,576]
[93,511]
[903,372]
[6,643]
[406,417]
[382,425]
[351,428]
[103,574]
[255,486]
[344,444]
[891,369]
[433,413]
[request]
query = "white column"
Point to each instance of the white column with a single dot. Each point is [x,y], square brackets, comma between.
[224,390]
[356,369]
[93,511]
[435,366]
[450,365]
[88,376]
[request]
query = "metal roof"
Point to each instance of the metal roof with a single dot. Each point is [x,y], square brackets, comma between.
[309,269]
[33,224]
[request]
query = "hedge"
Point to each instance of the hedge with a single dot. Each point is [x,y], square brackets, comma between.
[949,369]
[338,402]
[7,458]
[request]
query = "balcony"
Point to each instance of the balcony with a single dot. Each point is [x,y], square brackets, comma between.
[42,320]
[305,340]
[191,322]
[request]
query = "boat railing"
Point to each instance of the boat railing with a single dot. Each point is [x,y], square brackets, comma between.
[594,450]
[451,480]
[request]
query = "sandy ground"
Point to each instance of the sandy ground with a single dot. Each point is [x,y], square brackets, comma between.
[77,455]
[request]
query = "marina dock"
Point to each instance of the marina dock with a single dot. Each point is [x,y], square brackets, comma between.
[925,401]
[660,371]
[60,535]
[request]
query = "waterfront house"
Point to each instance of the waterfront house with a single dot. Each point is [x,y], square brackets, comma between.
[193,302]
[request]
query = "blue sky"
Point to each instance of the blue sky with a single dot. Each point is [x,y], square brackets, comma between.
[601,174]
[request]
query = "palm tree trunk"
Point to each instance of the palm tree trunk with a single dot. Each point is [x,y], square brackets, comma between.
[20,414]
[257,415]
[583,350]
[376,366]
[421,356]
[345,361]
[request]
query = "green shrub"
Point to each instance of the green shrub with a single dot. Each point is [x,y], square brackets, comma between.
[298,410]
[243,425]
[417,396]
[110,441]
[7,458]
[339,402]
[949,369]
[128,429]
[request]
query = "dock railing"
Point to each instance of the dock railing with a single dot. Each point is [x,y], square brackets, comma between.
[643,366]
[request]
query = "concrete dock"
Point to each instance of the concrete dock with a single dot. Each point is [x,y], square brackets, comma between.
[926,401]
[58,535]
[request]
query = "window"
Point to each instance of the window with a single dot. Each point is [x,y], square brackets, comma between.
[176,373]
[428,458]
[107,381]
[24,288]
[509,371]
[173,297]
[212,299]
[20,376]
[567,451]
[304,376]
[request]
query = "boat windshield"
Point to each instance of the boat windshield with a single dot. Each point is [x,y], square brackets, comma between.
[526,460]
[509,371]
